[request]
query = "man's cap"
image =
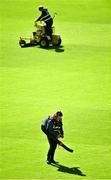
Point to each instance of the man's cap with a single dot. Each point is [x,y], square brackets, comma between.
[59,113]
[40,7]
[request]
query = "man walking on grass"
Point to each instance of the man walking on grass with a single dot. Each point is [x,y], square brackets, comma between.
[52,127]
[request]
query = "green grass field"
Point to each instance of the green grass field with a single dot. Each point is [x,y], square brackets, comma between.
[75,79]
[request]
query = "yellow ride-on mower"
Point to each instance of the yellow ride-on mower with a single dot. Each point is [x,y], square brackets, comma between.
[39,37]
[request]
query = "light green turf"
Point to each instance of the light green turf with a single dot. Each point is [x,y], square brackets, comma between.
[75,78]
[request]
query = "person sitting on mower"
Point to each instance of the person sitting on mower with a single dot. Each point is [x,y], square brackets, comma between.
[46,17]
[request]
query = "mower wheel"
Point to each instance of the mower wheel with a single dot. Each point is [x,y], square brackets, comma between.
[57,42]
[22,43]
[44,42]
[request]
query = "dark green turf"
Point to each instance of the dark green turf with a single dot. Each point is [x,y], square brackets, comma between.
[75,78]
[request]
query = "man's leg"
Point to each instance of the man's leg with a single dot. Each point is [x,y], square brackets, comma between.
[51,152]
[54,145]
[48,30]
[50,148]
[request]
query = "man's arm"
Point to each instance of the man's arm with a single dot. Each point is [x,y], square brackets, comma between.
[61,129]
[40,17]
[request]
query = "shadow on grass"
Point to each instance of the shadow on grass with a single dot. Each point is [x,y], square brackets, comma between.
[59,49]
[65,169]
[29,45]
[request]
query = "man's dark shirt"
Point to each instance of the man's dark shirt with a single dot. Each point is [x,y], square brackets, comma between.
[53,127]
[45,16]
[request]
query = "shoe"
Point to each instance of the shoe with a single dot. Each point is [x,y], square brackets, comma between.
[54,162]
[49,162]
